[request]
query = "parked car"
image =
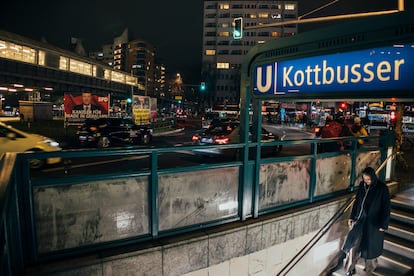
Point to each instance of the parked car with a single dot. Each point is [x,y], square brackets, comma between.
[105,132]
[226,132]
[15,140]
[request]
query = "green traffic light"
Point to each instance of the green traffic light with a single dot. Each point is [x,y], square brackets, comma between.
[238,28]
[203,86]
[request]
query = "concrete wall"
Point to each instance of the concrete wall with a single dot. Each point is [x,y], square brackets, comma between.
[260,248]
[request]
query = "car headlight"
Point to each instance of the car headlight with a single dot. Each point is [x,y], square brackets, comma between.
[51,143]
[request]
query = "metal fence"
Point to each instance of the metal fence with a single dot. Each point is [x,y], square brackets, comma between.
[70,210]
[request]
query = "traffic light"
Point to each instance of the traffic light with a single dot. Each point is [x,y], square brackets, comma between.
[238,28]
[393,116]
[343,106]
[203,86]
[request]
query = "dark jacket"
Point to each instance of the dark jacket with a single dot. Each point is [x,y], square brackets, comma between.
[377,209]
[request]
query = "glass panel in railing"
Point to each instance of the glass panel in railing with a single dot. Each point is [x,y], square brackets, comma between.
[79,214]
[283,182]
[332,174]
[366,159]
[188,198]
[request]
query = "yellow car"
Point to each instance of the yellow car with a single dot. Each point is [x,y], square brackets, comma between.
[14,140]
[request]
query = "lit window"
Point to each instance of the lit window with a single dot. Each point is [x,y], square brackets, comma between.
[224,6]
[80,67]
[118,77]
[210,52]
[17,52]
[107,74]
[94,71]
[263,15]
[253,16]
[63,63]
[41,58]
[224,34]
[225,25]
[131,80]
[223,65]
[290,7]
[275,34]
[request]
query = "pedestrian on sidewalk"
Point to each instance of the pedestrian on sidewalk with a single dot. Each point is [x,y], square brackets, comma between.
[372,202]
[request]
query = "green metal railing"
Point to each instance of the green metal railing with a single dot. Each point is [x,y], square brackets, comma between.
[68,211]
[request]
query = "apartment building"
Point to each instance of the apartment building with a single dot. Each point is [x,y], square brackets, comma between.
[223,55]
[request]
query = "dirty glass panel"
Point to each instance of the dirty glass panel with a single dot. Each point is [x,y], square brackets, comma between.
[283,182]
[79,214]
[333,174]
[366,159]
[189,198]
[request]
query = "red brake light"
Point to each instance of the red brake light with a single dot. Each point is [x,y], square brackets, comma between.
[222,140]
[393,116]
[93,128]
[195,138]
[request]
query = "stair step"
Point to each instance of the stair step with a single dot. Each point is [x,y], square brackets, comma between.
[399,246]
[396,262]
[402,216]
[404,204]
[401,230]
[387,266]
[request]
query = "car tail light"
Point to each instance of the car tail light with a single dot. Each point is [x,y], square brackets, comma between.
[195,138]
[222,140]
[93,128]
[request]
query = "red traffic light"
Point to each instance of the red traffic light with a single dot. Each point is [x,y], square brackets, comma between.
[343,105]
[393,116]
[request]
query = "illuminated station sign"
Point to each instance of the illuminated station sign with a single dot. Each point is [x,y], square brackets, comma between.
[387,68]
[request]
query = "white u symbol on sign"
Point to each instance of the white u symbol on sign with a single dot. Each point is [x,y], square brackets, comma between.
[260,87]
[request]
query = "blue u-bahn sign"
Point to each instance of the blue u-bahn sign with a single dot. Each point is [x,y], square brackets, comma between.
[386,68]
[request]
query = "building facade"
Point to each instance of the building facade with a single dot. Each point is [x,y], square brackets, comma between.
[223,55]
[140,61]
[135,57]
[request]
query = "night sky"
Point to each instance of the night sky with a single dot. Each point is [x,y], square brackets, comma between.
[174,27]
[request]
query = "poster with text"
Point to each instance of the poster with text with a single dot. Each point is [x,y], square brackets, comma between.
[85,105]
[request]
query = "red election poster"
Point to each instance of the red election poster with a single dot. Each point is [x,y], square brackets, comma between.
[79,107]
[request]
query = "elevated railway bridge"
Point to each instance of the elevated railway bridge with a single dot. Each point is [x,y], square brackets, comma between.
[44,71]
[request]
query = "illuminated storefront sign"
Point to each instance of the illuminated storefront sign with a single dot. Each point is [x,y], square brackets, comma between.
[372,69]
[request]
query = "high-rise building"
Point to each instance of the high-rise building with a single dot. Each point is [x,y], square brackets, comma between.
[223,55]
[160,85]
[136,57]
[105,55]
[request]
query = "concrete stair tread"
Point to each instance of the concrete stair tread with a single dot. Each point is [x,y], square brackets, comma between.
[383,269]
[402,216]
[395,261]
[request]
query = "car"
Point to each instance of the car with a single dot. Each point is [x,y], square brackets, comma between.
[15,140]
[105,132]
[226,132]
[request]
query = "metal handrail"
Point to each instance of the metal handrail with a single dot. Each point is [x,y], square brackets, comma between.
[342,210]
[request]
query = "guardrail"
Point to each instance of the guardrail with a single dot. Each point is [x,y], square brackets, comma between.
[72,210]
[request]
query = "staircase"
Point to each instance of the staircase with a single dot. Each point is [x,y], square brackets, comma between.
[398,255]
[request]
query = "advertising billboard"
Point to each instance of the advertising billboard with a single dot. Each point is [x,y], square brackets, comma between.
[141,109]
[81,106]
